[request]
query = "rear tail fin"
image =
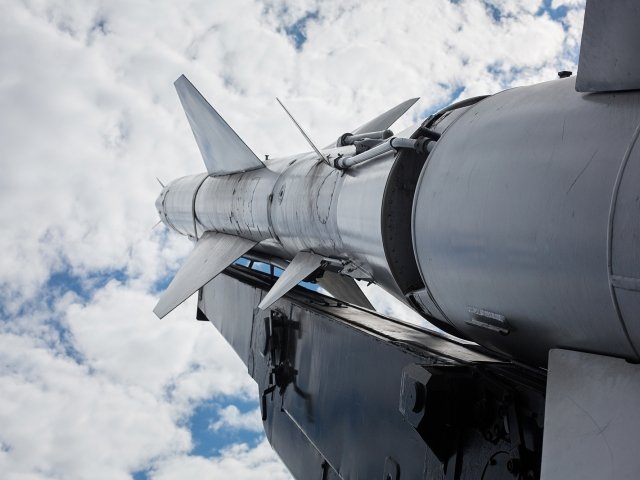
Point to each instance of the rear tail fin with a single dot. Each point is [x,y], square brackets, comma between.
[213,253]
[223,151]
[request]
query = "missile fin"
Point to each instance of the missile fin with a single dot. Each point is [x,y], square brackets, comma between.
[212,254]
[303,264]
[609,47]
[344,288]
[306,137]
[223,151]
[388,118]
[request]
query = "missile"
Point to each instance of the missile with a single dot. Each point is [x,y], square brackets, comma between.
[301,209]
[512,220]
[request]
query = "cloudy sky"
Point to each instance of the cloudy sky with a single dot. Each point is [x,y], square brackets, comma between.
[92,385]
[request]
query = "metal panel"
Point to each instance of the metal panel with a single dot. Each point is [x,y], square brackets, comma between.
[360,219]
[303,207]
[511,217]
[212,254]
[624,242]
[339,402]
[223,151]
[237,204]
[625,215]
[610,46]
[177,203]
[302,265]
[592,418]
[332,401]
[235,322]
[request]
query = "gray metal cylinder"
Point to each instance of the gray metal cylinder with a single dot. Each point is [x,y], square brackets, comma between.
[294,204]
[520,211]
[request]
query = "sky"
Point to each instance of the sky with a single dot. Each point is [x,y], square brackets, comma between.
[92,384]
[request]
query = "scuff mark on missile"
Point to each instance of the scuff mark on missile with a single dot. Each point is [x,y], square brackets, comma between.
[601,429]
[583,170]
[324,197]
[252,223]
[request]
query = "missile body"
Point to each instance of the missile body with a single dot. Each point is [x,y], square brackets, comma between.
[295,204]
[519,230]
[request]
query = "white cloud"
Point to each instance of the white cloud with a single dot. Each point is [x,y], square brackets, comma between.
[93,385]
[387,305]
[60,421]
[231,418]
[568,3]
[137,349]
[237,461]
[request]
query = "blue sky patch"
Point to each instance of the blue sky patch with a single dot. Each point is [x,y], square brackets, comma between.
[66,280]
[495,12]
[99,26]
[140,475]
[453,97]
[207,442]
[557,14]
[297,31]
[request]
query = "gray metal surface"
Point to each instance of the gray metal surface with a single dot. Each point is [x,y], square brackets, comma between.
[331,380]
[624,240]
[212,254]
[294,204]
[223,151]
[349,162]
[592,418]
[344,288]
[386,119]
[359,218]
[609,47]
[512,217]
[302,265]
[176,203]
[393,144]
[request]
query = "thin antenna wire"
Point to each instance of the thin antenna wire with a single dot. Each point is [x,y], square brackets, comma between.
[160,182]
[326,160]
[154,227]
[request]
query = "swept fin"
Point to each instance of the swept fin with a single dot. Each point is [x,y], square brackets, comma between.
[306,137]
[303,264]
[344,288]
[609,47]
[212,254]
[223,151]
[388,118]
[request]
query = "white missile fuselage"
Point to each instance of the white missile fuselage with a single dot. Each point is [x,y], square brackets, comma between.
[297,203]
